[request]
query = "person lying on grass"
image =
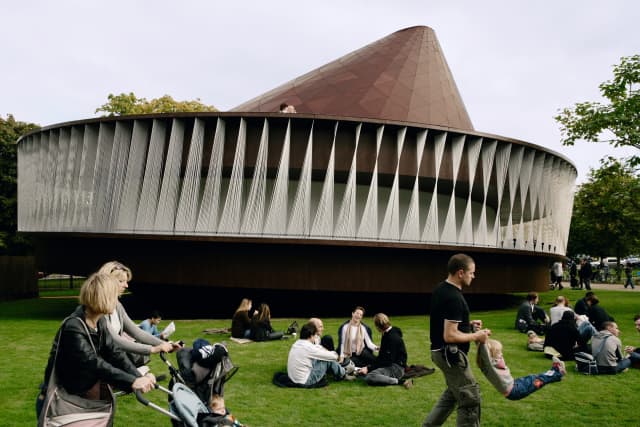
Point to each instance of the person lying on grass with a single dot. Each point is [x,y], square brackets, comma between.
[494,368]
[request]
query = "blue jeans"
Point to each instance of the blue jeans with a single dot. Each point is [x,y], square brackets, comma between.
[612,370]
[319,370]
[586,331]
[524,386]
[629,282]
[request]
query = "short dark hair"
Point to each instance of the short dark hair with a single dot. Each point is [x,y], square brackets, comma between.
[459,262]
[283,106]
[636,317]
[309,329]
[358,307]
[155,314]
[532,296]
[605,325]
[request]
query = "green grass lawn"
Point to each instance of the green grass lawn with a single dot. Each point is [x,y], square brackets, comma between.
[27,328]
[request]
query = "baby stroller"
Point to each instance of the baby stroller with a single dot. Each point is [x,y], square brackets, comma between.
[202,372]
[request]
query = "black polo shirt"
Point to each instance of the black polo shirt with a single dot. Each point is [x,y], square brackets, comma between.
[447,303]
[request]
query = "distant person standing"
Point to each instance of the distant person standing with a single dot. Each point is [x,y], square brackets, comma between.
[451,332]
[585,274]
[628,272]
[557,274]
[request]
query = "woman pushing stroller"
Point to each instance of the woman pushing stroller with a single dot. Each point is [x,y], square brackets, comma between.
[120,323]
[84,357]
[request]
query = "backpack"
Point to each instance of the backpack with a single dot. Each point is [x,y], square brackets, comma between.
[586,363]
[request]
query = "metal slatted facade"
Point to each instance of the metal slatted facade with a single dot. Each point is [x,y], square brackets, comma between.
[295,177]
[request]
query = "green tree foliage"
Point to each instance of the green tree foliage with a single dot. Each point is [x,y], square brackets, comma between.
[127,104]
[619,118]
[605,219]
[10,131]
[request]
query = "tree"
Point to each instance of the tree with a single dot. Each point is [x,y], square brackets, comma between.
[127,103]
[620,118]
[10,131]
[605,220]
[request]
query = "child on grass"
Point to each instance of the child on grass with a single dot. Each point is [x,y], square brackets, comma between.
[493,366]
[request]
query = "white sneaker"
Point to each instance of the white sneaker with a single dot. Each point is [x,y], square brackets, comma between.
[557,363]
[350,368]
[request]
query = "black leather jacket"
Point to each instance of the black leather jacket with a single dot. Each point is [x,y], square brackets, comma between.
[78,367]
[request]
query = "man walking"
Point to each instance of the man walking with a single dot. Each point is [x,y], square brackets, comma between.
[450,333]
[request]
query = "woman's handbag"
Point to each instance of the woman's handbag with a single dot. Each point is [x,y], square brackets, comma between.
[62,408]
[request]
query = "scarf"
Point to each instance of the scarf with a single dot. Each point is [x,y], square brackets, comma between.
[359,340]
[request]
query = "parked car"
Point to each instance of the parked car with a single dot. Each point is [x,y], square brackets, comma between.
[632,260]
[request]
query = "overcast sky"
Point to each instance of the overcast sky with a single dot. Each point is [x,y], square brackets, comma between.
[515,63]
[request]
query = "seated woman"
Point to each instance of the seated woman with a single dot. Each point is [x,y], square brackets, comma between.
[121,325]
[354,340]
[261,329]
[241,321]
[493,366]
[87,358]
[564,337]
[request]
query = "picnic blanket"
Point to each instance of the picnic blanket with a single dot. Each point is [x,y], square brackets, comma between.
[212,331]
[241,340]
[415,371]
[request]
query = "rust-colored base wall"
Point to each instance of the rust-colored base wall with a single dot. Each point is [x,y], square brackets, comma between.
[292,267]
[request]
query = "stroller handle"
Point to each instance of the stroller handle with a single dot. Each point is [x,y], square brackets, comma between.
[141,398]
[152,405]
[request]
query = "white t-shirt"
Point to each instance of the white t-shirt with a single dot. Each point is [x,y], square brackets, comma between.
[555,313]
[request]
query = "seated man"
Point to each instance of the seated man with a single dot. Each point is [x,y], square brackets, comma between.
[308,362]
[150,325]
[531,317]
[606,348]
[388,368]
[354,339]
[634,353]
[597,315]
[325,341]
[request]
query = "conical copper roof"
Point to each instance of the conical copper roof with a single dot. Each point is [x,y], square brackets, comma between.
[402,77]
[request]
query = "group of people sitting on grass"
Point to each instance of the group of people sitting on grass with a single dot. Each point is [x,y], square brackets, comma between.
[587,328]
[254,325]
[313,355]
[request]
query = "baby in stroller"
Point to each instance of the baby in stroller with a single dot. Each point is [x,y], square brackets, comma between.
[204,369]
[219,416]
[196,388]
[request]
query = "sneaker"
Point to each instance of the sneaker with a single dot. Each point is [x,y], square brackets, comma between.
[349,377]
[557,363]
[349,368]
[407,384]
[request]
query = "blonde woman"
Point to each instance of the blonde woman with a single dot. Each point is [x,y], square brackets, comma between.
[120,323]
[79,368]
[241,321]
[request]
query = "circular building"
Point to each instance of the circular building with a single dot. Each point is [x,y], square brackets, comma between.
[368,189]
